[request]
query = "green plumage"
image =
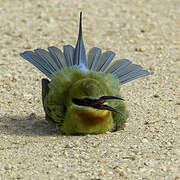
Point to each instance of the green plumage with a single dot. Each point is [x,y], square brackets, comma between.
[83,96]
[71,83]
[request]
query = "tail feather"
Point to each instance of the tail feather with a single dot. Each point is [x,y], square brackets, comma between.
[57,56]
[128,71]
[54,60]
[93,58]
[80,52]
[68,55]
[37,62]
[118,65]
[105,60]
[137,75]
[44,55]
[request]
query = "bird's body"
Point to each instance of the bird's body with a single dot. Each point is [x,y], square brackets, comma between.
[83,96]
[73,119]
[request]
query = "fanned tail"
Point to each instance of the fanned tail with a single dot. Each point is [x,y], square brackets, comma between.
[54,60]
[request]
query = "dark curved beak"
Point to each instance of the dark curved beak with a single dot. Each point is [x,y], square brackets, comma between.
[109,108]
[105,98]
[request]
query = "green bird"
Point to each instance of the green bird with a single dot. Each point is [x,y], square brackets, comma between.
[83,93]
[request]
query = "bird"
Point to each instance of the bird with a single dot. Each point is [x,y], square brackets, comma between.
[81,94]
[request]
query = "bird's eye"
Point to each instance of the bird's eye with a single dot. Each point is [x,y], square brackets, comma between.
[86,99]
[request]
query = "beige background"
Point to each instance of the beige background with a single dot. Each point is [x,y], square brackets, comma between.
[143,31]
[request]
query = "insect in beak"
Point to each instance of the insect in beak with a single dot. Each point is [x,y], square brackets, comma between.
[97,103]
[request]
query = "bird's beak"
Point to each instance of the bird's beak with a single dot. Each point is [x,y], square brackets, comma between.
[99,104]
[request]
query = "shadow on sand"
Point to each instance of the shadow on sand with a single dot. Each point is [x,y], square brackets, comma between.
[27,126]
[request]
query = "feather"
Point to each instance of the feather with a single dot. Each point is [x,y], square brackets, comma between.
[68,55]
[36,61]
[128,71]
[44,55]
[54,60]
[93,58]
[80,52]
[57,56]
[118,65]
[137,75]
[105,60]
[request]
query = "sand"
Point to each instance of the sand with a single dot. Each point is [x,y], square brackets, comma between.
[145,32]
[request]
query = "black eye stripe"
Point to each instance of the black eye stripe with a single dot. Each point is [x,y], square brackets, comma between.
[84,102]
[78,101]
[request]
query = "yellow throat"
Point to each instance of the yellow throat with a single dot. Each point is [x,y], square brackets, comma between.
[91,116]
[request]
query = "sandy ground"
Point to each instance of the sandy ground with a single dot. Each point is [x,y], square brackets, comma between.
[145,32]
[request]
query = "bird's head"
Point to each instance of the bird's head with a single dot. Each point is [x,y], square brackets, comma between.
[89,108]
